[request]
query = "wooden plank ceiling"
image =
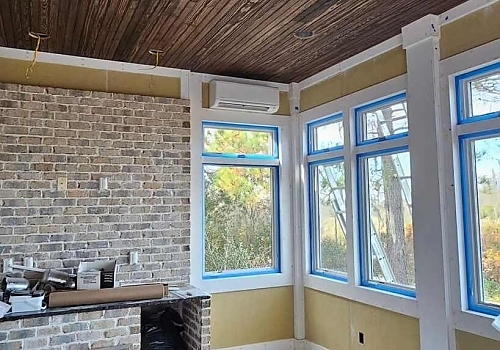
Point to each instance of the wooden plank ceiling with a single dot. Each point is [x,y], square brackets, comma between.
[244,38]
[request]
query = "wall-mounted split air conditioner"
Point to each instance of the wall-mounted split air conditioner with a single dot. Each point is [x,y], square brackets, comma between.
[244,97]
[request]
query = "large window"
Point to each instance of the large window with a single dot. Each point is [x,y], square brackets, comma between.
[327,198]
[384,196]
[240,202]
[478,106]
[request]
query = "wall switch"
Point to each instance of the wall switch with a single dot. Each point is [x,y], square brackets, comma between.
[62,183]
[7,263]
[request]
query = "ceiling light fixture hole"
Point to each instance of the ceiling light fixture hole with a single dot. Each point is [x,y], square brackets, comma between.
[304,34]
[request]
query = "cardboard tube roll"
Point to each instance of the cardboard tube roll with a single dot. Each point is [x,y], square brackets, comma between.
[100,296]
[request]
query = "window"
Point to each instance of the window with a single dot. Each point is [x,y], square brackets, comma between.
[382,120]
[479,144]
[384,197]
[327,198]
[478,94]
[240,203]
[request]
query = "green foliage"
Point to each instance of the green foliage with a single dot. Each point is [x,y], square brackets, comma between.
[333,254]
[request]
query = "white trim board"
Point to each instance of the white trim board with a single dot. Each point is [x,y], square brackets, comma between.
[94,63]
[288,344]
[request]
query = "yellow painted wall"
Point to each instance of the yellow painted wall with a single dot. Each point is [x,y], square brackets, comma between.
[467,341]
[249,317]
[473,30]
[379,69]
[334,323]
[284,102]
[80,78]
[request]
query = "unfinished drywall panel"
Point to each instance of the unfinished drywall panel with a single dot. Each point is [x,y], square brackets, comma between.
[80,78]
[467,341]
[382,329]
[336,323]
[144,84]
[327,320]
[473,30]
[52,75]
[250,317]
[389,65]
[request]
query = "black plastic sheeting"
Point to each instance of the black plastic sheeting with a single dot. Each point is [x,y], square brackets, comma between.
[162,330]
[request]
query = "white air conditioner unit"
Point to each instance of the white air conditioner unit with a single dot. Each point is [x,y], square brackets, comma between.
[244,97]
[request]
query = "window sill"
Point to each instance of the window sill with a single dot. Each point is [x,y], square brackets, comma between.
[384,300]
[241,283]
[476,323]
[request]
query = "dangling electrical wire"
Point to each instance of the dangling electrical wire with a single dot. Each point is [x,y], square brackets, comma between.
[157,54]
[39,37]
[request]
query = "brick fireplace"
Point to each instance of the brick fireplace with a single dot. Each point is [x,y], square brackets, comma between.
[141,144]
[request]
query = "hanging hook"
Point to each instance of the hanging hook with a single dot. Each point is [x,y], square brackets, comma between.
[39,37]
[157,54]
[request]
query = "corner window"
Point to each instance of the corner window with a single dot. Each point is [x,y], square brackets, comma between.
[327,198]
[479,145]
[240,201]
[384,198]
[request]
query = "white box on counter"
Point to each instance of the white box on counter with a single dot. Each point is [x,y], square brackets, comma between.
[96,275]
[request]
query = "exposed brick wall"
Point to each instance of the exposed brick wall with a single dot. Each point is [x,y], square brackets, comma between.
[140,143]
[196,315]
[83,331]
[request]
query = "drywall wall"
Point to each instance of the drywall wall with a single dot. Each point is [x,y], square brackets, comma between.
[80,78]
[379,69]
[284,102]
[249,317]
[335,323]
[471,31]
[467,341]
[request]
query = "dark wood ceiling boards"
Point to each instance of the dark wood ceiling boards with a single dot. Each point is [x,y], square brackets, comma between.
[243,38]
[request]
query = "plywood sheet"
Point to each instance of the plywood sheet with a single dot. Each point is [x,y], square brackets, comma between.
[471,31]
[379,69]
[249,317]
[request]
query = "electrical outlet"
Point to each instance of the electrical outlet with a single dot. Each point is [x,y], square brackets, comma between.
[62,183]
[361,338]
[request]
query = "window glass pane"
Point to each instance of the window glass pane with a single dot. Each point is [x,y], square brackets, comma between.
[329,217]
[485,95]
[239,142]
[486,158]
[389,222]
[327,136]
[239,218]
[388,120]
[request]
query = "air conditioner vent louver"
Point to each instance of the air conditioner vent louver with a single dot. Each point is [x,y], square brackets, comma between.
[243,97]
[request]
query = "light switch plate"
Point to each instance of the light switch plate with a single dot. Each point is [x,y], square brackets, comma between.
[62,183]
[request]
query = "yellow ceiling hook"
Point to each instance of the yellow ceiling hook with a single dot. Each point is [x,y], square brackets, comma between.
[39,37]
[157,54]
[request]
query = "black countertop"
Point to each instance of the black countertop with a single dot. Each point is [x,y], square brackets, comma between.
[174,296]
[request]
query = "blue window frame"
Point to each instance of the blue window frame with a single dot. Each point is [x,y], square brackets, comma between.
[241,229]
[327,212]
[382,120]
[325,135]
[477,100]
[385,224]
[478,94]
[327,208]
[480,164]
